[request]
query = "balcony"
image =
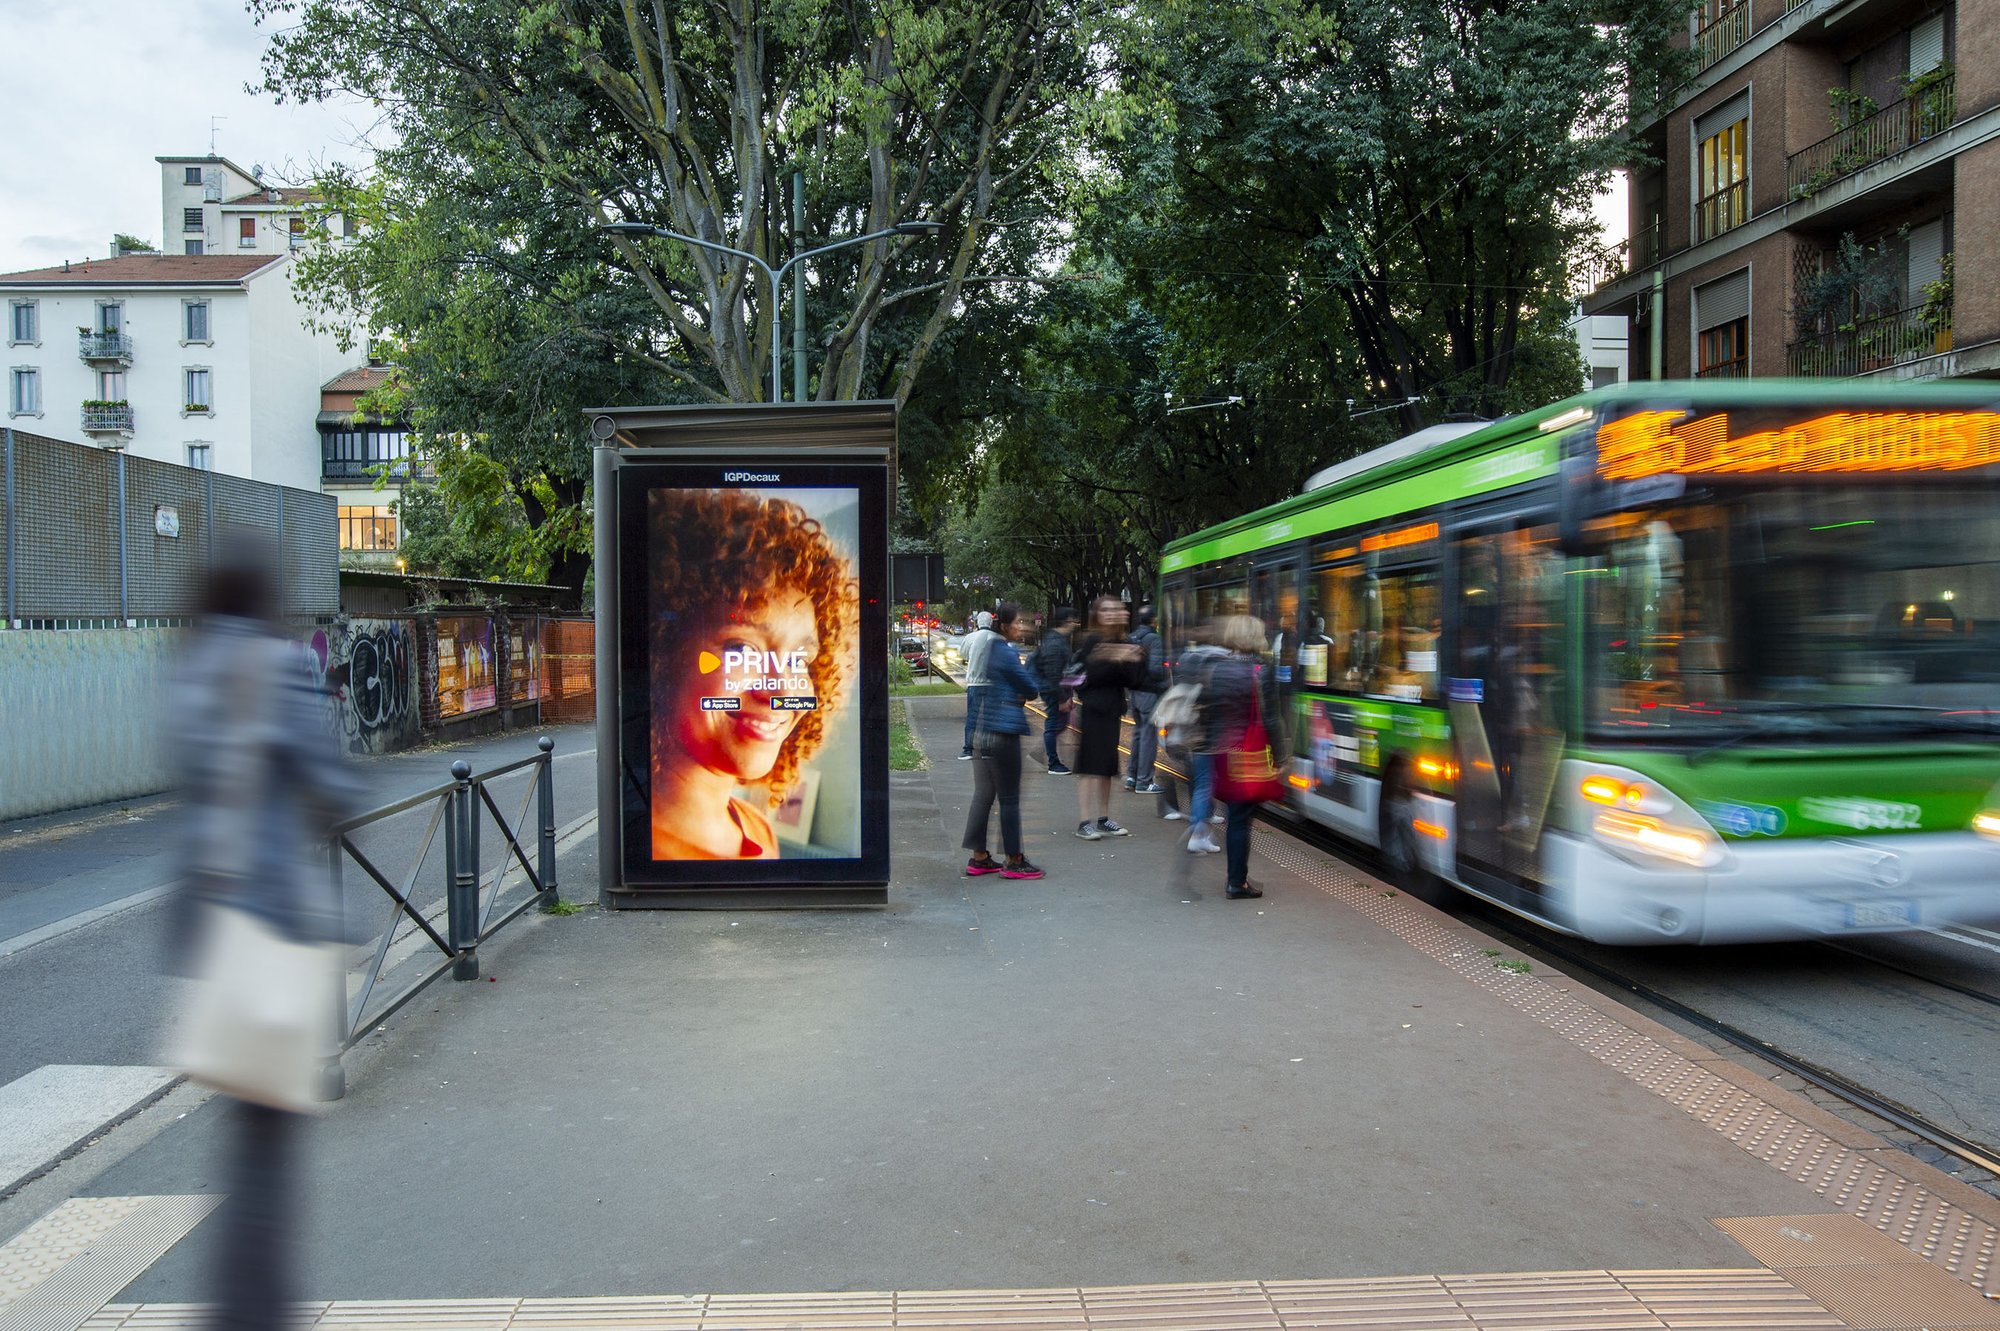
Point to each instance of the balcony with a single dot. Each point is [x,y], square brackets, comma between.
[107,418]
[1928,111]
[102,348]
[1873,344]
[1722,34]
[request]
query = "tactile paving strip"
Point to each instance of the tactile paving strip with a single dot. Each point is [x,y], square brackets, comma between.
[122,1237]
[68,1231]
[1911,1214]
[1544,1301]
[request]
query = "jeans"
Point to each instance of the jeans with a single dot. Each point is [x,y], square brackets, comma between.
[1145,745]
[1201,802]
[996,773]
[1053,725]
[974,696]
[1236,842]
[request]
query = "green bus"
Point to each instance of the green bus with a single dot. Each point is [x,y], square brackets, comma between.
[1660,663]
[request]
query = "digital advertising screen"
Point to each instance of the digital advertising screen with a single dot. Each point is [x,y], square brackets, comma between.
[754,723]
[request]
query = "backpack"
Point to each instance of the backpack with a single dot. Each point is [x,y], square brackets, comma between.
[1179,716]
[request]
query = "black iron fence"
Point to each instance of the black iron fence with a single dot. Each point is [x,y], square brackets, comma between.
[1927,111]
[1873,344]
[469,904]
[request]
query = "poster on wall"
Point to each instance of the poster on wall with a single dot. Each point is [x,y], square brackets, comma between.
[465,666]
[753,720]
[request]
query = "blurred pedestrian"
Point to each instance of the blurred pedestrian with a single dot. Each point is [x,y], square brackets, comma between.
[1050,666]
[1146,740]
[1109,666]
[1195,666]
[996,753]
[259,918]
[1239,692]
[977,647]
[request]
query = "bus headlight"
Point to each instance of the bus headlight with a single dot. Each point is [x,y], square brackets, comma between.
[1987,823]
[1655,836]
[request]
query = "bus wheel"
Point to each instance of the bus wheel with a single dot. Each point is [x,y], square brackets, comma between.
[1398,835]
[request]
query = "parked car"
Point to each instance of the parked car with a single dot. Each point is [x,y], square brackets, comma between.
[913,651]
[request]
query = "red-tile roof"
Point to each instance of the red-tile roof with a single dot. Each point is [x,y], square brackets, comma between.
[137,270]
[360,379]
[285,195]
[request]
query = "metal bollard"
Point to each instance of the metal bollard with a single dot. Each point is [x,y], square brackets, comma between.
[332,1073]
[461,846]
[545,858]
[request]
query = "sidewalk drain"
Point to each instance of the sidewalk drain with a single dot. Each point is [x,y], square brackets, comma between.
[1905,1211]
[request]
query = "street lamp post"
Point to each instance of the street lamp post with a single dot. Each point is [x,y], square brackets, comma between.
[776,276]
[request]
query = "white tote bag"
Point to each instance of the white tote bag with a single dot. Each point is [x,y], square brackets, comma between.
[260,1017]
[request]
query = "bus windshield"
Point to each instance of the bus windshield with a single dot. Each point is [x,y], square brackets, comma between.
[1853,609]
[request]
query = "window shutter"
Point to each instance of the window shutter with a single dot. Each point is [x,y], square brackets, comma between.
[1926,257]
[1927,45]
[1722,117]
[1722,301]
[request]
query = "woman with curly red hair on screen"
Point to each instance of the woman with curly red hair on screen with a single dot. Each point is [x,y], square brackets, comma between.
[751,600]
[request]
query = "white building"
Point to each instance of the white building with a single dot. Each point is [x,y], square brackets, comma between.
[1602,339]
[204,360]
[210,205]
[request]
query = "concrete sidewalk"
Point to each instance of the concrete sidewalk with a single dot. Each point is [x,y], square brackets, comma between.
[1069,1089]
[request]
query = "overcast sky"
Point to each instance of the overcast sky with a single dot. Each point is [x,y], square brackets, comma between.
[97,90]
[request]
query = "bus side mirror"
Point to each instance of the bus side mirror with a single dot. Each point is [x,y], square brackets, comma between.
[1577,494]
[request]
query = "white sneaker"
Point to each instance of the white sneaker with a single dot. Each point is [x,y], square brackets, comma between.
[1202,843]
[1218,818]
[1173,815]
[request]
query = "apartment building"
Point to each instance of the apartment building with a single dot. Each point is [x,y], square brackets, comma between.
[202,360]
[1813,193]
[357,446]
[210,205]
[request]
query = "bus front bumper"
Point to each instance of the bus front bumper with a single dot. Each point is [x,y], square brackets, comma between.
[1773,890]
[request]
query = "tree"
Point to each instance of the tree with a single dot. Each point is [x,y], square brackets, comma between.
[693,115]
[125,244]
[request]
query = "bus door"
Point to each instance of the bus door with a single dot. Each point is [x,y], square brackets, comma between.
[1504,692]
[1274,598]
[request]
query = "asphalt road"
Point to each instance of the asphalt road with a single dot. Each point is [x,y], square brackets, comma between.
[84,906]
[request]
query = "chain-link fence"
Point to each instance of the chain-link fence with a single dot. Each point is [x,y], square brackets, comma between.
[94,538]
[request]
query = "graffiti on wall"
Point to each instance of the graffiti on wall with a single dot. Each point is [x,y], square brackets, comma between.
[366,671]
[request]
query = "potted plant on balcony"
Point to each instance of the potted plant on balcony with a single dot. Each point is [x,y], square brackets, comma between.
[195,408]
[1930,99]
[1935,316]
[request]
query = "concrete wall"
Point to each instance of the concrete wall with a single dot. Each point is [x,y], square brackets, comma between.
[83,716]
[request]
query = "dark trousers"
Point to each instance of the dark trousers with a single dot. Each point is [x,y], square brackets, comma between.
[1145,744]
[973,695]
[996,774]
[1053,725]
[257,1258]
[1236,842]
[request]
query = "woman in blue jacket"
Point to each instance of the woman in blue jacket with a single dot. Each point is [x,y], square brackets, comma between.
[996,754]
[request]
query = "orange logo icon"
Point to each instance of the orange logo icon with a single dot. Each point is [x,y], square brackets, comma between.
[709,662]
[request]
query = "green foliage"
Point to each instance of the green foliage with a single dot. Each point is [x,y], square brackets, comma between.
[1846,108]
[906,754]
[1937,294]
[1859,283]
[900,672]
[132,244]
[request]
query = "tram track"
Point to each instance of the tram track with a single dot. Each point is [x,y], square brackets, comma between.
[1561,950]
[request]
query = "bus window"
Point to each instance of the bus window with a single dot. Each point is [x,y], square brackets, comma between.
[1406,657]
[1275,601]
[1224,589]
[1334,598]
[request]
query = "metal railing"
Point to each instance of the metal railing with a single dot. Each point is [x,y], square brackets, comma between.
[1722,34]
[1724,210]
[1899,125]
[1873,344]
[104,346]
[106,420]
[472,907]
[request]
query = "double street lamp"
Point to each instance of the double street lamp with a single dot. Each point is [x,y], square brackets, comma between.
[777,275]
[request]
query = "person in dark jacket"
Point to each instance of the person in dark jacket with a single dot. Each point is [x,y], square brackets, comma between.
[1111,665]
[1145,739]
[996,754]
[1050,665]
[1226,711]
